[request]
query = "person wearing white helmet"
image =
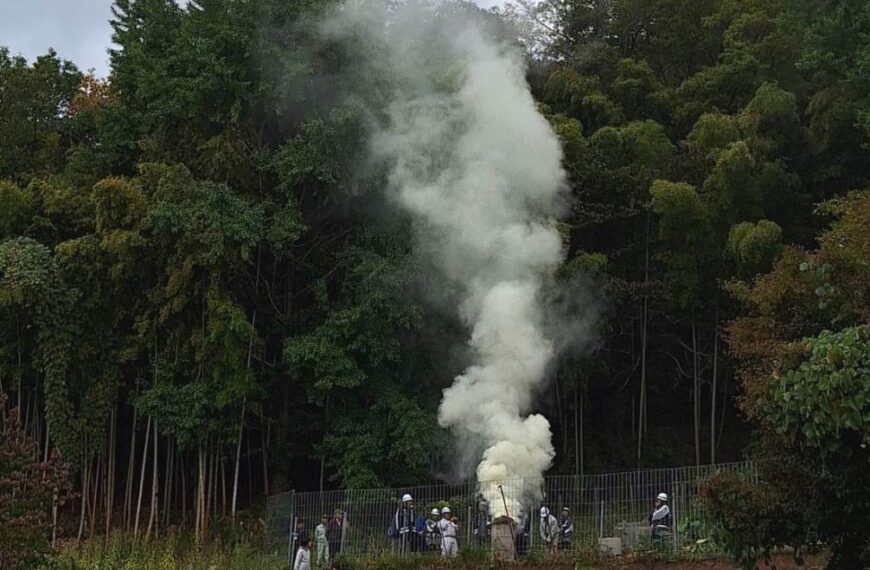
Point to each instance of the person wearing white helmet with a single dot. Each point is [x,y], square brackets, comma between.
[433,537]
[660,517]
[549,530]
[406,526]
[448,528]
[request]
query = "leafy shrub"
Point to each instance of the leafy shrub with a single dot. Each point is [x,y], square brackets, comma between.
[28,490]
[751,519]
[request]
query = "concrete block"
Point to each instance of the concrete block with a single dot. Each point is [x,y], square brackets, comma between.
[611,546]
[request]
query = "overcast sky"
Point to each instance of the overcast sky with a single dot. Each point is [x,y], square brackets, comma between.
[77,29]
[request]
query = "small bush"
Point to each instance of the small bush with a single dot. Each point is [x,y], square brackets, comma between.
[29,488]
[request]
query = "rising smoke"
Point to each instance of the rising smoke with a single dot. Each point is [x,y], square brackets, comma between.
[472,160]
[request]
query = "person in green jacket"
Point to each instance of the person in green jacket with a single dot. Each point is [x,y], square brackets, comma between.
[321,542]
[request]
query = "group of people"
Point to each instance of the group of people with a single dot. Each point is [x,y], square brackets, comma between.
[439,532]
[327,542]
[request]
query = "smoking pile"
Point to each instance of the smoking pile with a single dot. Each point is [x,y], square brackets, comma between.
[478,168]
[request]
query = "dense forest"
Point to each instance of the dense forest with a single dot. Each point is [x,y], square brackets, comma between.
[205,297]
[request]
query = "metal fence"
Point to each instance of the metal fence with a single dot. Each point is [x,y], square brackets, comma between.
[612,506]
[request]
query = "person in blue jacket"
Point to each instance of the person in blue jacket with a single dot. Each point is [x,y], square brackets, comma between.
[408,527]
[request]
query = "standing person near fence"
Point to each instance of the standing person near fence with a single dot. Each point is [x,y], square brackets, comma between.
[448,528]
[566,529]
[320,542]
[303,556]
[549,530]
[433,537]
[333,534]
[480,526]
[660,517]
[407,527]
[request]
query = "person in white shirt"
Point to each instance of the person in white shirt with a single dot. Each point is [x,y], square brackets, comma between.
[549,530]
[447,527]
[320,540]
[303,556]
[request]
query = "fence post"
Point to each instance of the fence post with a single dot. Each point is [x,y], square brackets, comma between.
[676,517]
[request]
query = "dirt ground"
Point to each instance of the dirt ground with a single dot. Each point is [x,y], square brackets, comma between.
[780,562]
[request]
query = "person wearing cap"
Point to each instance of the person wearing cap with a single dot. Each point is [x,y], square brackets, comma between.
[549,530]
[447,528]
[660,517]
[433,537]
[566,529]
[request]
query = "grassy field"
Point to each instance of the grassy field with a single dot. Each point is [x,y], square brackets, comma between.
[174,553]
[179,553]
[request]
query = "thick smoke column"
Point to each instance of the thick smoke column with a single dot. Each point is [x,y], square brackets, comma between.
[479,169]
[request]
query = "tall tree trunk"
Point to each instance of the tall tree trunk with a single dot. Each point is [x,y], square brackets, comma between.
[168,479]
[223,469]
[696,396]
[183,484]
[322,456]
[142,478]
[237,462]
[92,509]
[644,329]
[265,436]
[47,441]
[200,494]
[152,517]
[131,464]
[578,432]
[110,472]
[86,472]
[713,389]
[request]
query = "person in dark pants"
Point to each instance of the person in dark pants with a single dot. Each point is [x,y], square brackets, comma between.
[408,527]
[660,518]
[333,534]
[523,534]
[566,529]
[480,525]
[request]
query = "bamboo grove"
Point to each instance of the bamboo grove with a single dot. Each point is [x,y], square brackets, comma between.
[205,298]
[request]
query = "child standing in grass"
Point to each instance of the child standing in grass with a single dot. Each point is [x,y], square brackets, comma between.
[303,556]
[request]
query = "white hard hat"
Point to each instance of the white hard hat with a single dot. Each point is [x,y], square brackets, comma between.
[545,512]
[434,511]
[406,497]
[445,511]
[662,497]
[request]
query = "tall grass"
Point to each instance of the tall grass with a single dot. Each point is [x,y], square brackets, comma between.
[171,553]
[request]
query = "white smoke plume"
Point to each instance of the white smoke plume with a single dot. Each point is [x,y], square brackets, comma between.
[479,169]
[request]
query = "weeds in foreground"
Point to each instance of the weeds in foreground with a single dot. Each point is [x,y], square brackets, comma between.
[169,553]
